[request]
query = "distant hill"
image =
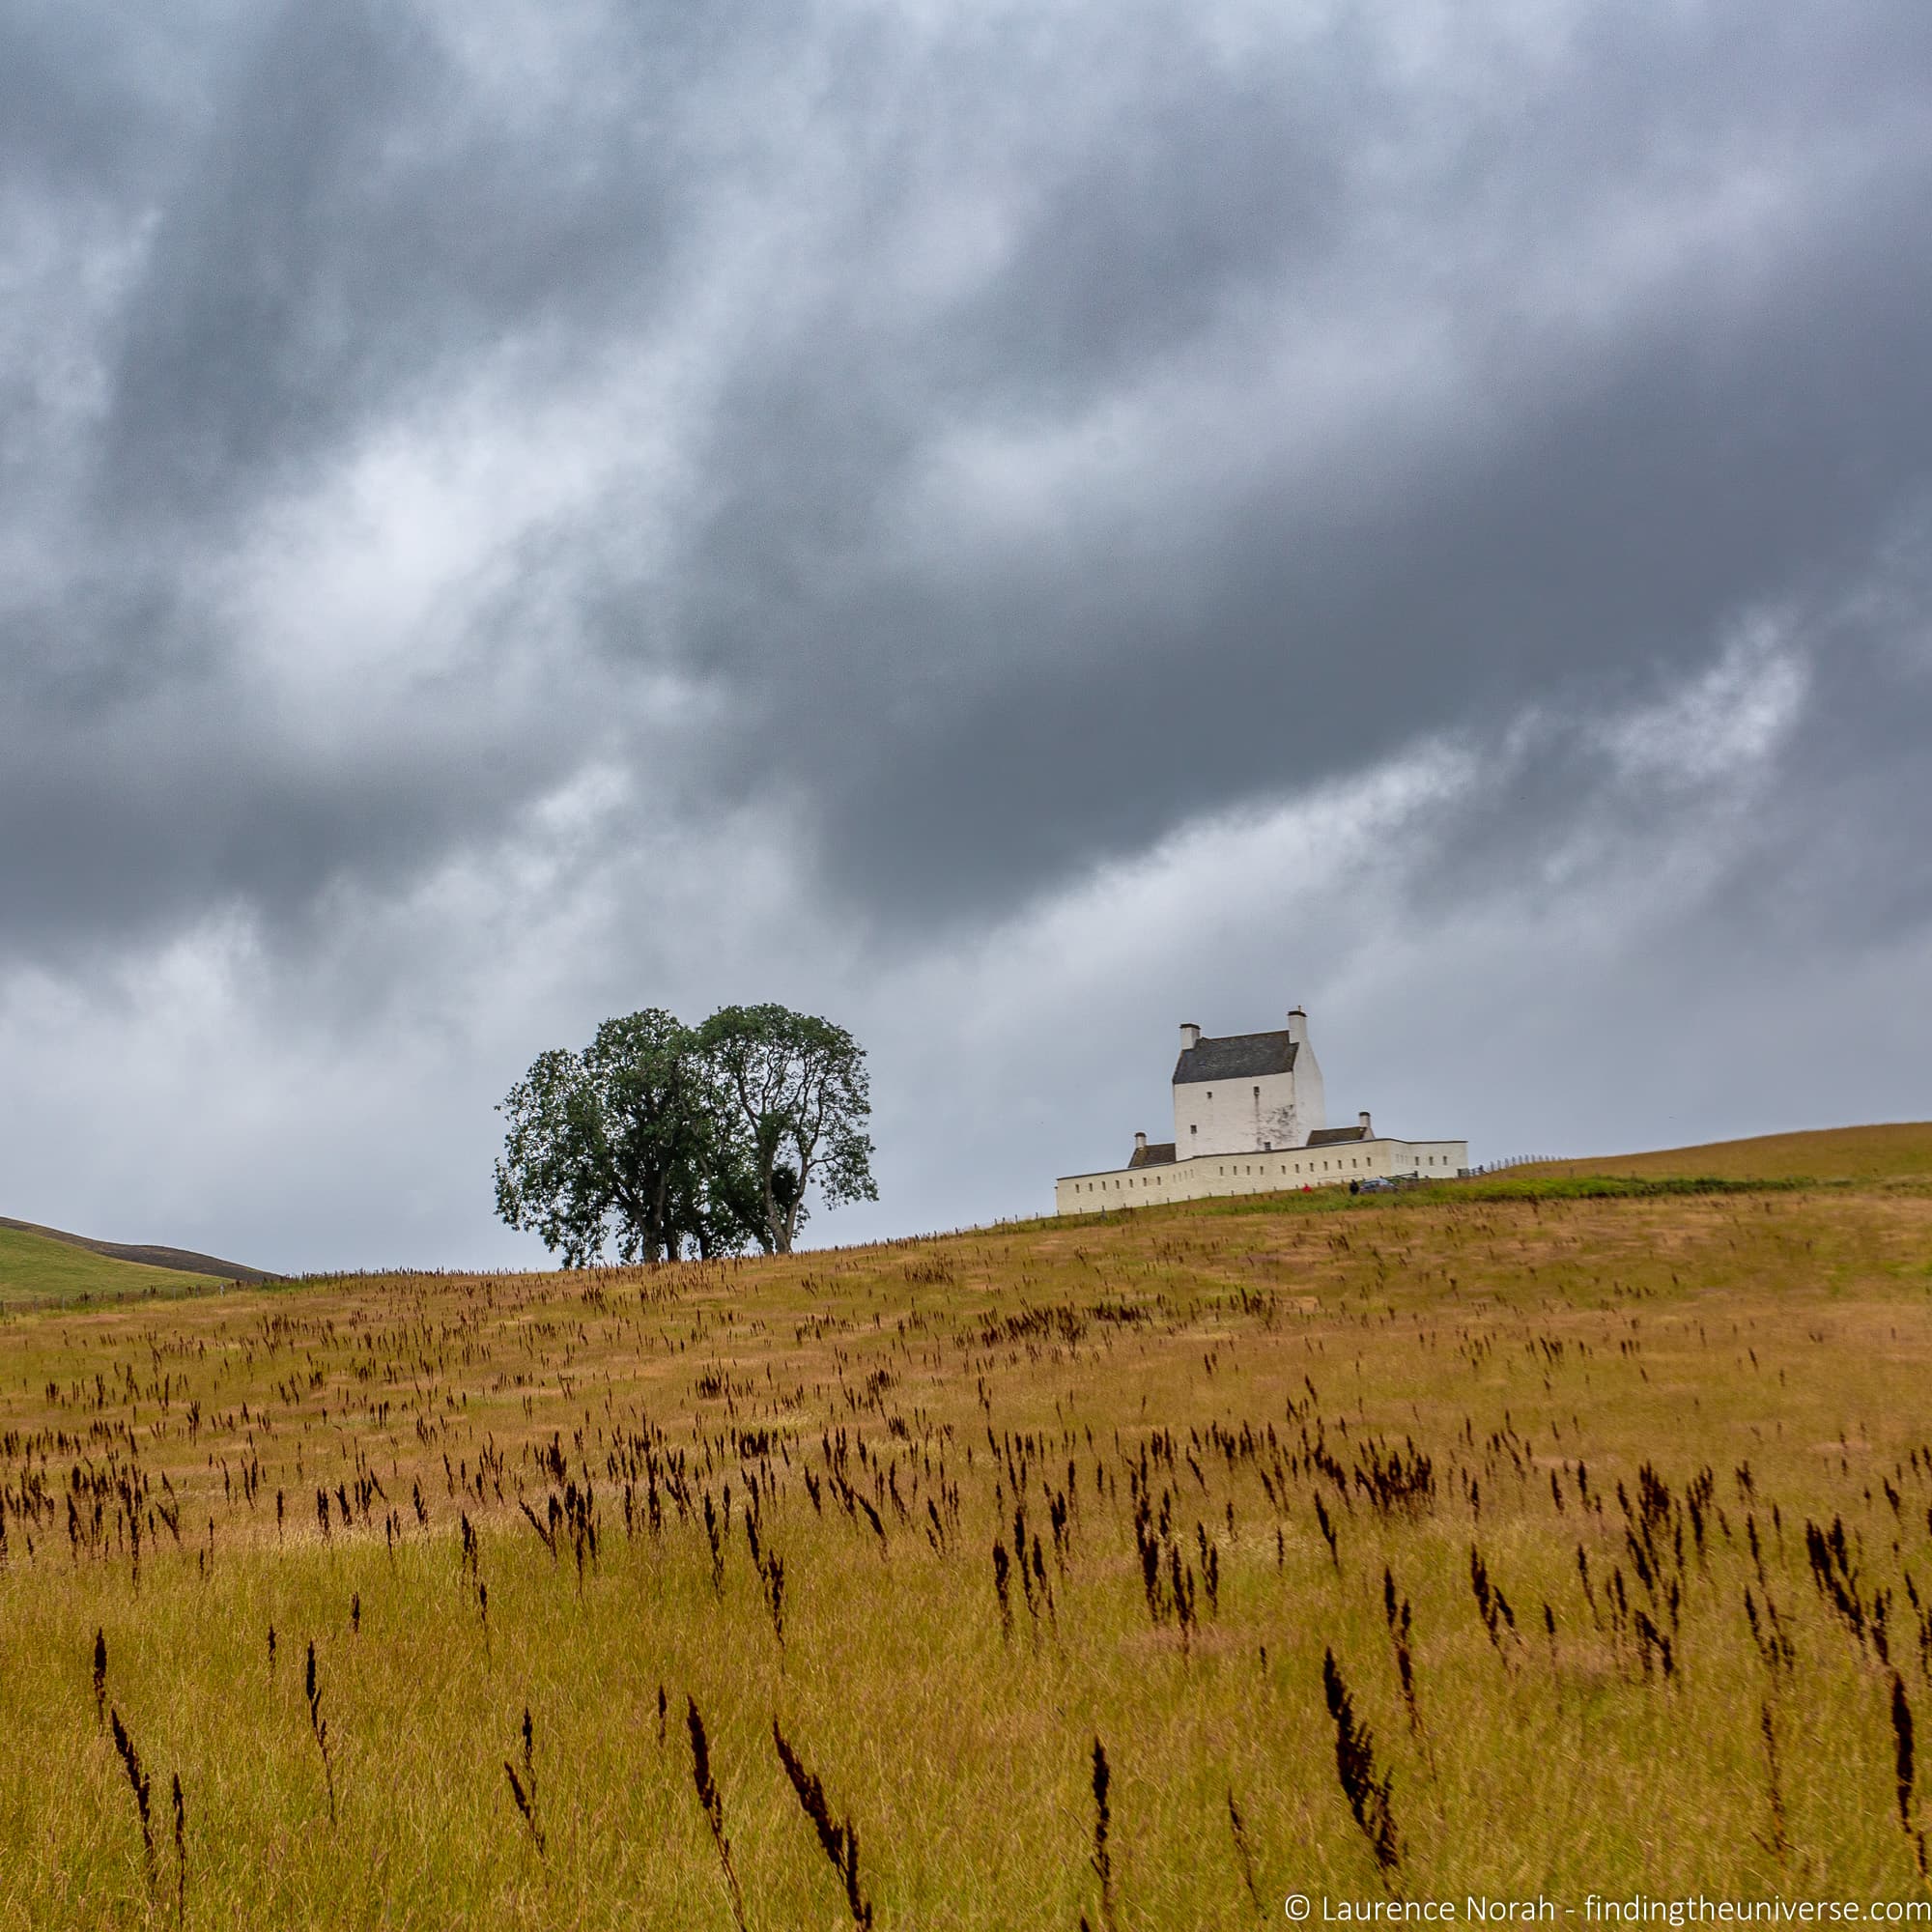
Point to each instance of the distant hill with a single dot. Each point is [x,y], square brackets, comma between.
[42,1264]
[35,1272]
[1899,1152]
[185,1259]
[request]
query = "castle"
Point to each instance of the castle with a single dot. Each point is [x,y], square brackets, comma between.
[1250,1117]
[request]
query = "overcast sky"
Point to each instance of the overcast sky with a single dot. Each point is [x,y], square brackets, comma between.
[1013,527]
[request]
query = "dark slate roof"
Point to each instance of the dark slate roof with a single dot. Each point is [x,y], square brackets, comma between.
[1333,1136]
[1156,1153]
[1237,1056]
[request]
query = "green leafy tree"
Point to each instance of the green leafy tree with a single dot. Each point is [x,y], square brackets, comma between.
[620,1144]
[800,1099]
[715,1196]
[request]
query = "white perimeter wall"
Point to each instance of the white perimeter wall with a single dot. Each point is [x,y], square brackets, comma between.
[1249,1173]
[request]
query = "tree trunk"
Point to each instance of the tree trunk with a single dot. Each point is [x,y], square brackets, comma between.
[775,1222]
[657,1236]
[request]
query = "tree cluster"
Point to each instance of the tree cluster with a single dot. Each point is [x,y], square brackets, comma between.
[666,1140]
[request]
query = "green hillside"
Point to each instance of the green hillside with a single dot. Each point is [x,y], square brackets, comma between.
[36,1270]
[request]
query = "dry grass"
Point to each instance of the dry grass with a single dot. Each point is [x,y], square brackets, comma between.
[1900,1152]
[1637,1421]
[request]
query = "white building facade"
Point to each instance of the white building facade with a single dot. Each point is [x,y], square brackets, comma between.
[1250,1118]
[1246,1093]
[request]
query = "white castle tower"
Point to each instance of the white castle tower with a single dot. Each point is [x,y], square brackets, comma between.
[1250,1117]
[1246,1093]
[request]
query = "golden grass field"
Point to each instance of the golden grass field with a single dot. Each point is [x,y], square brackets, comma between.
[1683,1438]
[1901,1151]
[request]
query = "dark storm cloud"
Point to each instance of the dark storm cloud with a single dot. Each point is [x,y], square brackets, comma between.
[348,227]
[1650,287]
[75,109]
[1610,501]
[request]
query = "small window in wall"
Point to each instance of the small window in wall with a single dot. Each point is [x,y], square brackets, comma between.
[1210,1093]
[1268,1147]
[1192,1131]
[1257,1092]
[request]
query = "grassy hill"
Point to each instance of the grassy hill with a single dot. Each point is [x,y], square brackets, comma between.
[39,1268]
[1899,1152]
[1593,1526]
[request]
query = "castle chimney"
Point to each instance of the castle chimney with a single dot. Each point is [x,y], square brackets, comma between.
[1190,1036]
[1140,1144]
[1368,1132]
[1297,1025]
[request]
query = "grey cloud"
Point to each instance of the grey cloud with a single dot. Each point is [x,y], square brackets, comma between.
[1618,500]
[1401,398]
[346,230]
[77,101]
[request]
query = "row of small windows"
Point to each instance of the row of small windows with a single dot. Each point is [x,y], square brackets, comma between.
[1268,1147]
[1242,1168]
